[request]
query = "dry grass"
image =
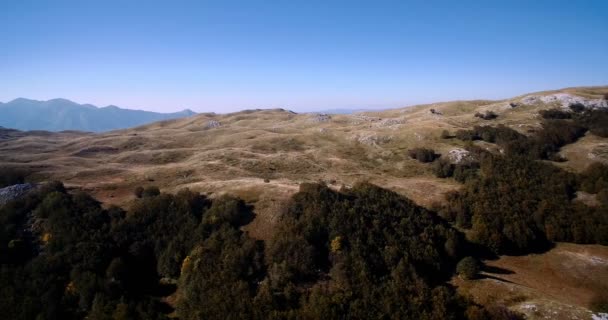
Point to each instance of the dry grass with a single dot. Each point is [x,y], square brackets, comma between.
[275,144]
[559,284]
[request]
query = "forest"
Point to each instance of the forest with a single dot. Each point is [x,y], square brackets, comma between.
[364,252]
[356,253]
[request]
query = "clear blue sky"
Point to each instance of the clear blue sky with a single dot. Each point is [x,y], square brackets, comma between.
[304,55]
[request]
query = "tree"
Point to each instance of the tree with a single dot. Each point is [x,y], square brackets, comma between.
[468,268]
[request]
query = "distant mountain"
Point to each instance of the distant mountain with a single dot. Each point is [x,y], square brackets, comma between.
[62,114]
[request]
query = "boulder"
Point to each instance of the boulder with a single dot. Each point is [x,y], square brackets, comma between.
[319,118]
[459,155]
[212,124]
[15,191]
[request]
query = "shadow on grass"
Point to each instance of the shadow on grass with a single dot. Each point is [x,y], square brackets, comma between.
[496,270]
[487,276]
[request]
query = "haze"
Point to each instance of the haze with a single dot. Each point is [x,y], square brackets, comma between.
[227,56]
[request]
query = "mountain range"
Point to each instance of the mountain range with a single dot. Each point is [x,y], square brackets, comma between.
[63,114]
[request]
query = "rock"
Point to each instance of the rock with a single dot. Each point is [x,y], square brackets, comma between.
[372,139]
[15,191]
[459,155]
[599,153]
[212,124]
[433,111]
[390,123]
[319,117]
[565,100]
[358,119]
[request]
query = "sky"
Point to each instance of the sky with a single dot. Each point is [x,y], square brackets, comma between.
[225,56]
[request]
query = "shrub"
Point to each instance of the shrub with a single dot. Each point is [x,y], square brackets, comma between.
[445,134]
[423,154]
[577,107]
[151,191]
[596,121]
[466,135]
[488,115]
[468,268]
[555,114]
[594,178]
[443,169]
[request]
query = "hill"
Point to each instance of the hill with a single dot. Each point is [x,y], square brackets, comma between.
[62,114]
[236,152]
[269,158]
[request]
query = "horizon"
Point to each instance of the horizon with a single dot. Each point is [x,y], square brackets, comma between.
[233,56]
[327,110]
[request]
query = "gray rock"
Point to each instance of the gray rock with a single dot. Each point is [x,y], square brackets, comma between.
[390,123]
[459,156]
[212,124]
[565,100]
[320,117]
[372,139]
[15,191]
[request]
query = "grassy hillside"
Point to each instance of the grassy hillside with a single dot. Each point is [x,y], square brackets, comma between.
[514,205]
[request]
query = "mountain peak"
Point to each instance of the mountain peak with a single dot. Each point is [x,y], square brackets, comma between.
[22,100]
[61,100]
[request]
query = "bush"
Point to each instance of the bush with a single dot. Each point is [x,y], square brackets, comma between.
[596,121]
[443,169]
[555,114]
[466,135]
[423,154]
[468,268]
[594,178]
[488,115]
[577,107]
[445,134]
[151,191]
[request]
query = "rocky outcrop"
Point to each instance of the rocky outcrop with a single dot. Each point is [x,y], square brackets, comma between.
[459,155]
[565,100]
[357,119]
[599,153]
[319,118]
[212,124]
[372,139]
[15,191]
[393,123]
